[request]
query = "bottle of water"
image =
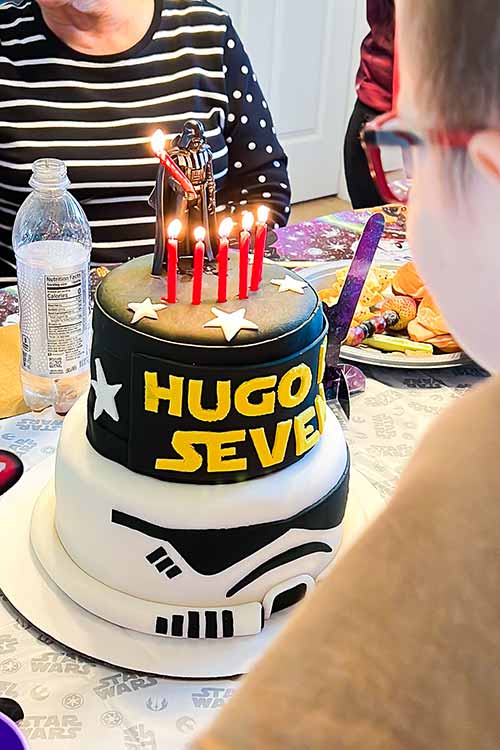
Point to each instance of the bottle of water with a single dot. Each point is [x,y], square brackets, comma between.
[52,243]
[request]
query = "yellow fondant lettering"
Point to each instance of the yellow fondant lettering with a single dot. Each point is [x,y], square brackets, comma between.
[285,396]
[305,435]
[183,444]
[322,360]
[266,404]
[223,401]
[321,407]
[275,455]
[219,458]
[155,393]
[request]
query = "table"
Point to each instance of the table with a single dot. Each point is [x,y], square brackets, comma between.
[84,705]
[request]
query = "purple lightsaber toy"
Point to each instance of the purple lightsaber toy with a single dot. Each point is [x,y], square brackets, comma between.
[11,737]
[340,316]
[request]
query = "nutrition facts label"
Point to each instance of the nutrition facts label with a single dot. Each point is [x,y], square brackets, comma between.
[66,322]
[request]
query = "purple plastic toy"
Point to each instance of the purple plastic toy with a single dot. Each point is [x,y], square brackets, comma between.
[340,316]
[10,736]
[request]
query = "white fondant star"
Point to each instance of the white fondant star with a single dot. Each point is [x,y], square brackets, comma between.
[145,309]
[289,284]
[231,323]
[105,394]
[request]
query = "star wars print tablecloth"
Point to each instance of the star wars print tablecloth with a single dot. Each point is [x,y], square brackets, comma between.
[32,437]
[72,703]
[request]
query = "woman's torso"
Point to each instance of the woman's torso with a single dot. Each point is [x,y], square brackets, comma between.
[98,114]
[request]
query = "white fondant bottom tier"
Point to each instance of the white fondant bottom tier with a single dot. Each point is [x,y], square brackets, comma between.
[138,614]
[129,536]
[37,597]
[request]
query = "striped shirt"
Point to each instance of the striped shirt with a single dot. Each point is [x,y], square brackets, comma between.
[98,113]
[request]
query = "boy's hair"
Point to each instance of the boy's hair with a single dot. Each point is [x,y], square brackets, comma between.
[455,46]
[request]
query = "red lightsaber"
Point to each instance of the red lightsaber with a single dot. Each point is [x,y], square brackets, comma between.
[158,144]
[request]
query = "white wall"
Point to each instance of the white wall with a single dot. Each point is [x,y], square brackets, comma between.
[306,56]
[360,31]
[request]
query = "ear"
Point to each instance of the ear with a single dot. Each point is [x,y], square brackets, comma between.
[484,150]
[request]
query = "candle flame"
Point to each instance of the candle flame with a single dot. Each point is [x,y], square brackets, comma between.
[158,141]
[263,214]
[200,234]
[226,227]
[174,229]
[247,221]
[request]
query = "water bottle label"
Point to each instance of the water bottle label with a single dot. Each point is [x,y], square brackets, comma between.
[55,321]
[67,349]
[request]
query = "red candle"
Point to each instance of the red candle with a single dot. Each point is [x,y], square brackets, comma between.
[245,237]
[198,261]
[260,247]
[223,258]
[174,230]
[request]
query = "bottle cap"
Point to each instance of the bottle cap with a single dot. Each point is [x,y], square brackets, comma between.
[49,174]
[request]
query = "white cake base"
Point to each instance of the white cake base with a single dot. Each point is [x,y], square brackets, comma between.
[42,602]
[90,489]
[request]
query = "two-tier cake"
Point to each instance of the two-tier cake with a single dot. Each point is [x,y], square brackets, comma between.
[202,486]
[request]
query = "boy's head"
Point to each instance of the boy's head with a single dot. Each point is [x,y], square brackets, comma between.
[450,79]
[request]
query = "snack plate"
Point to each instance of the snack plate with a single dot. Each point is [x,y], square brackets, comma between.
[323,275]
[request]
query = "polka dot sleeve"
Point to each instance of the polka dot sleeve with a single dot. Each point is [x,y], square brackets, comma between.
[257,167]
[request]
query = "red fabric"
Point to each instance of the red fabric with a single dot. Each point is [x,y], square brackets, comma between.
[374,82]
[395,76]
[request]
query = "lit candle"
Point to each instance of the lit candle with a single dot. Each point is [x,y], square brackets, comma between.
[174,230]
[225,230]
[260,247]
[158,141]
[245,237]
[198,261]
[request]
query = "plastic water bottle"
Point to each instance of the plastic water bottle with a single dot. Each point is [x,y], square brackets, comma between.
[52,243]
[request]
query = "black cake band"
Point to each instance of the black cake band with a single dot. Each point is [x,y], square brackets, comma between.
[181,403]
[160,433]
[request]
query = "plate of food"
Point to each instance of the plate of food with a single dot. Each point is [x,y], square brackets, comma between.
[396,323]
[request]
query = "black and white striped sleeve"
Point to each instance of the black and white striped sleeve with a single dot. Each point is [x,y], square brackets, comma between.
[257,166]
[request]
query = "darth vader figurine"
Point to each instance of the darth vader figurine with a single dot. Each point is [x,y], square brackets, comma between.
[193,156]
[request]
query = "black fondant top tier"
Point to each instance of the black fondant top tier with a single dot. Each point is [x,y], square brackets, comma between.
[175,400]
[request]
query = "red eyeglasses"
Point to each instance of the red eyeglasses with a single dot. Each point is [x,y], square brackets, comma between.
[389,146]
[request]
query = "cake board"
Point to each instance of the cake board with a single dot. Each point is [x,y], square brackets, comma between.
[32,592]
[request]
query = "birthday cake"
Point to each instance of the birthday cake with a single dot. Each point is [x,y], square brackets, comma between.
[201,487]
